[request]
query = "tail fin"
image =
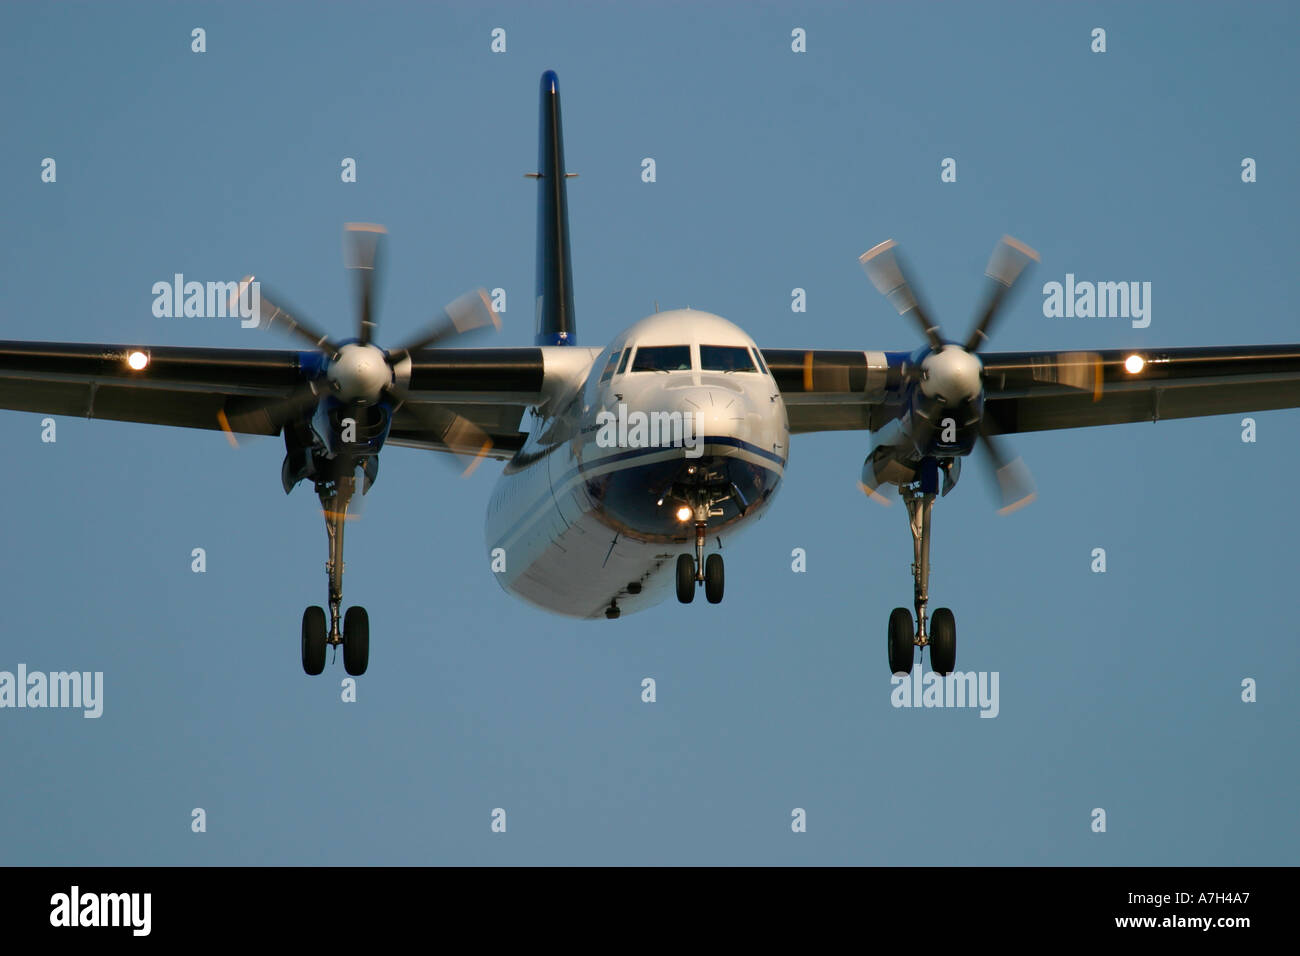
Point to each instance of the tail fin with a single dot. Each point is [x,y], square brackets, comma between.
[555,320]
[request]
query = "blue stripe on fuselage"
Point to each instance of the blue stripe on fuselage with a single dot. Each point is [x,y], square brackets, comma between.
[534,511]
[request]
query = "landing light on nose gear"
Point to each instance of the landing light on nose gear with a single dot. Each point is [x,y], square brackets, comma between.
[702,502]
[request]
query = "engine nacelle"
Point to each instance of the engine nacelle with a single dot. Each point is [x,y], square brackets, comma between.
[953,430]
[886,465]
[894,460]
[352,429]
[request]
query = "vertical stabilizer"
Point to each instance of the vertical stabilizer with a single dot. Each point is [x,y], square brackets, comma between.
[555,321]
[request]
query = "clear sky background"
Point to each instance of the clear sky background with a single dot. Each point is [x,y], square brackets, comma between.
[775,170]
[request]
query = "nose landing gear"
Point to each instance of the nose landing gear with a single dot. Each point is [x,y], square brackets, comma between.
[694,571]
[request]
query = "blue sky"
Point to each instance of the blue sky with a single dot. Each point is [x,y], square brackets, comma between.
[775,170]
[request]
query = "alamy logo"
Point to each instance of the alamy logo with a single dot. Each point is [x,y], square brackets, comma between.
[958,689]
[639,429]
[102,909]
[1102,300]
[55,689]
[208,300]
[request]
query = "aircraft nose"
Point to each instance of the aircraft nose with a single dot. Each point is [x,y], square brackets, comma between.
[693,416]
[713,409]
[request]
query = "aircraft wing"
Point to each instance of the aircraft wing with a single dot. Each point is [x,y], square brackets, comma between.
[1033,391]
[834,389]
[217,388]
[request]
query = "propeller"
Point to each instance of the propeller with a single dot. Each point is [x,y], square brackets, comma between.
[1010,256]
[885,270]
[949,378]
[361,254]
[359,372]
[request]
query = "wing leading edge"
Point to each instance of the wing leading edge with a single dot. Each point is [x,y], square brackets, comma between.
[1034,391]
[208,388]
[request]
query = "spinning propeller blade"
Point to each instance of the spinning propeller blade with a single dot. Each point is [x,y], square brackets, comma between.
[1015,483]
[270,314]
[885,270]
[1010,256]
[361,254]
[470,312]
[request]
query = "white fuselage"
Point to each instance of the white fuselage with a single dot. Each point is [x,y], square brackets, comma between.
[591,511]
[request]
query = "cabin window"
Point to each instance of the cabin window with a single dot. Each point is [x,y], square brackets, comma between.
[662,358]
[726,358]
[612,364]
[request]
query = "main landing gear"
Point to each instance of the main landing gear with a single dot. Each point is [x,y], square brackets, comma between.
[942,636]
[335,496]
[693,571]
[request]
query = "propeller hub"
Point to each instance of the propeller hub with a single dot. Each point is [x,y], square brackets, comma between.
[360,373]
[951,375]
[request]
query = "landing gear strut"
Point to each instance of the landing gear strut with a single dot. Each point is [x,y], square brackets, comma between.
[335,497]
[691,572]
[942,639]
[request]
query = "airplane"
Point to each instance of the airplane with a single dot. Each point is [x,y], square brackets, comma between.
[596,513]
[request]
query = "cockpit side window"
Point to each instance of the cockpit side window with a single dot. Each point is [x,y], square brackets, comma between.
[612,364]
[662,358]
[726,358]
[758,354]
[622,366]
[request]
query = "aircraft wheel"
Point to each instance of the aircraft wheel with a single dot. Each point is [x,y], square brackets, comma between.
[902,641]
[356,641]
[313,640]
[943,641]
[713,578]
[685,578]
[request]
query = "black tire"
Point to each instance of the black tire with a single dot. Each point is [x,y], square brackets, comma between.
[713,578]
[313,640]
[685,578]
[902,641]
[943,642]
[356,641]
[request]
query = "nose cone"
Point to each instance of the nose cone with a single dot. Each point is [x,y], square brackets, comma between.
[360,372]
[713,409]
[952,374]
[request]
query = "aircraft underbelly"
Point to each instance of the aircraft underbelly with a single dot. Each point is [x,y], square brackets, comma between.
[571,546]
[558,555]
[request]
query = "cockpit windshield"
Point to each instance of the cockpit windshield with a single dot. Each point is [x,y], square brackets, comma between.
[726,358]
[662,358]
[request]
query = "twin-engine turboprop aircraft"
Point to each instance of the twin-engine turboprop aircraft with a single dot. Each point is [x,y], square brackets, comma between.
[627,466]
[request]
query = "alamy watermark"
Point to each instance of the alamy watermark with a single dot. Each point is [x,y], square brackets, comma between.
[77,689]
[1102,300]
[638,429]
[179,299]
[75,908]
[958,689]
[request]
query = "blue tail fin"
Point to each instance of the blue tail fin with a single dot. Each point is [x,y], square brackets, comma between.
[555,320]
